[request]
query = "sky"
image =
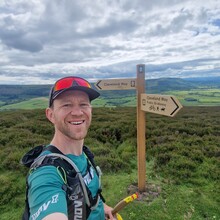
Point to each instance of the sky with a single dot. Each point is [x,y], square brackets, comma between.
[44,40]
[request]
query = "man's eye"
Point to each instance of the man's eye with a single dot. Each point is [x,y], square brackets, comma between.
[84,105]
[67,105]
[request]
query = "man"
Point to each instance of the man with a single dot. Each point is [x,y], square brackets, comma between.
[70,112]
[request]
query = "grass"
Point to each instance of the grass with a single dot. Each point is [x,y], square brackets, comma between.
[180,202]
[35,103]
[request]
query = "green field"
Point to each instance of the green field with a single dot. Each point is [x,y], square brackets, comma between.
[35,103]
[194,97]
[182,160]
[198,97]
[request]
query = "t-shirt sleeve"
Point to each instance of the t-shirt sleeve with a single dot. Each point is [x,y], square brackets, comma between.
[45,194]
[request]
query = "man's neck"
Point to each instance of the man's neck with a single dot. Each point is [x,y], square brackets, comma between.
[68,146]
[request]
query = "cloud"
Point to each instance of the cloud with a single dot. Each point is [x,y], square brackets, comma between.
[42,40]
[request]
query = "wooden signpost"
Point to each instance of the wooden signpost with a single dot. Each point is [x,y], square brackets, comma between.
[159,104]
[116,84]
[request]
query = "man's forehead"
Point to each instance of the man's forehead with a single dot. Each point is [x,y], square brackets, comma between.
[74,94]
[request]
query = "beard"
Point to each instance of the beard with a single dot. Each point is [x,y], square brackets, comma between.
[72,132]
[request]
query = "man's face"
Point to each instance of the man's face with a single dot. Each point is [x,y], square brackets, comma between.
[71,114]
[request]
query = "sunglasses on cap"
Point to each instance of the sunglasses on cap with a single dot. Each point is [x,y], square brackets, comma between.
[72,83]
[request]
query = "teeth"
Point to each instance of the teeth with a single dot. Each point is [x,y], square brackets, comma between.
[76,122]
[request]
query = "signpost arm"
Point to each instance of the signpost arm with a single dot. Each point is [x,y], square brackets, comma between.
[141,146]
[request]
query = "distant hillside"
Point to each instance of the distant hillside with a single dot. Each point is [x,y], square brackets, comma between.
[156,86]
[168,84]
[10,94]
[205,81]
[21,95]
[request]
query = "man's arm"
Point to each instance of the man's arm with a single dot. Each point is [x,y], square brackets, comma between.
[55,216]
[61,216]
[46,196]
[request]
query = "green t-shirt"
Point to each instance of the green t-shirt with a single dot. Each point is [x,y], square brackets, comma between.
[46,195]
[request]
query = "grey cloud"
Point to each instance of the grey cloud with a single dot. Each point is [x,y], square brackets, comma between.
[180,69]
[14,33]
[175,25]
[179,65]
[202,16]
[147,5]
[19,40]
[55,25]
[30,45]
[63,36]
[59,15]
[15,7]
[179,21]
[65,18]
[111,27]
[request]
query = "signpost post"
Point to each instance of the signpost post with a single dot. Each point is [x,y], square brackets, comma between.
[141,146]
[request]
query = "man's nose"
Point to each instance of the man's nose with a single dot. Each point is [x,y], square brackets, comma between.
[76,110]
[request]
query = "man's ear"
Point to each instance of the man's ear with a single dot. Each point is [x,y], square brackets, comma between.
[49,114]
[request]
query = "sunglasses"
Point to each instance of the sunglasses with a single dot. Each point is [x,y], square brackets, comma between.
[66,83]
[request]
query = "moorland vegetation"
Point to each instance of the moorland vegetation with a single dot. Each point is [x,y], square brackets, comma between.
[182,155]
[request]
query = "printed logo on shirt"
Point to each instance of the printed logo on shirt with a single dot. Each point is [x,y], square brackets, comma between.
[89,176]
[44,207]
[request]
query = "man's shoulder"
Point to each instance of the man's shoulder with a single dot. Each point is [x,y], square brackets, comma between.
[43,171]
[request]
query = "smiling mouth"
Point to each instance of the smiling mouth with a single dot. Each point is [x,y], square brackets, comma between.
[77,122]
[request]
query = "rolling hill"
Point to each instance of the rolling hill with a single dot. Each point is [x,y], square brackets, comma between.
[190,91]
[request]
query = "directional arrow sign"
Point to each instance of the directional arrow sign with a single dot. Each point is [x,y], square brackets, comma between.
[116,84]
[160,104]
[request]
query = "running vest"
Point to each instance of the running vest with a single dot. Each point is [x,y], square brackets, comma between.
[79,198]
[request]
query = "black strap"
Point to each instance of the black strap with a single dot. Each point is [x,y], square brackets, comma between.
[90,156]
[26,212]
[31,155]
[52,149]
